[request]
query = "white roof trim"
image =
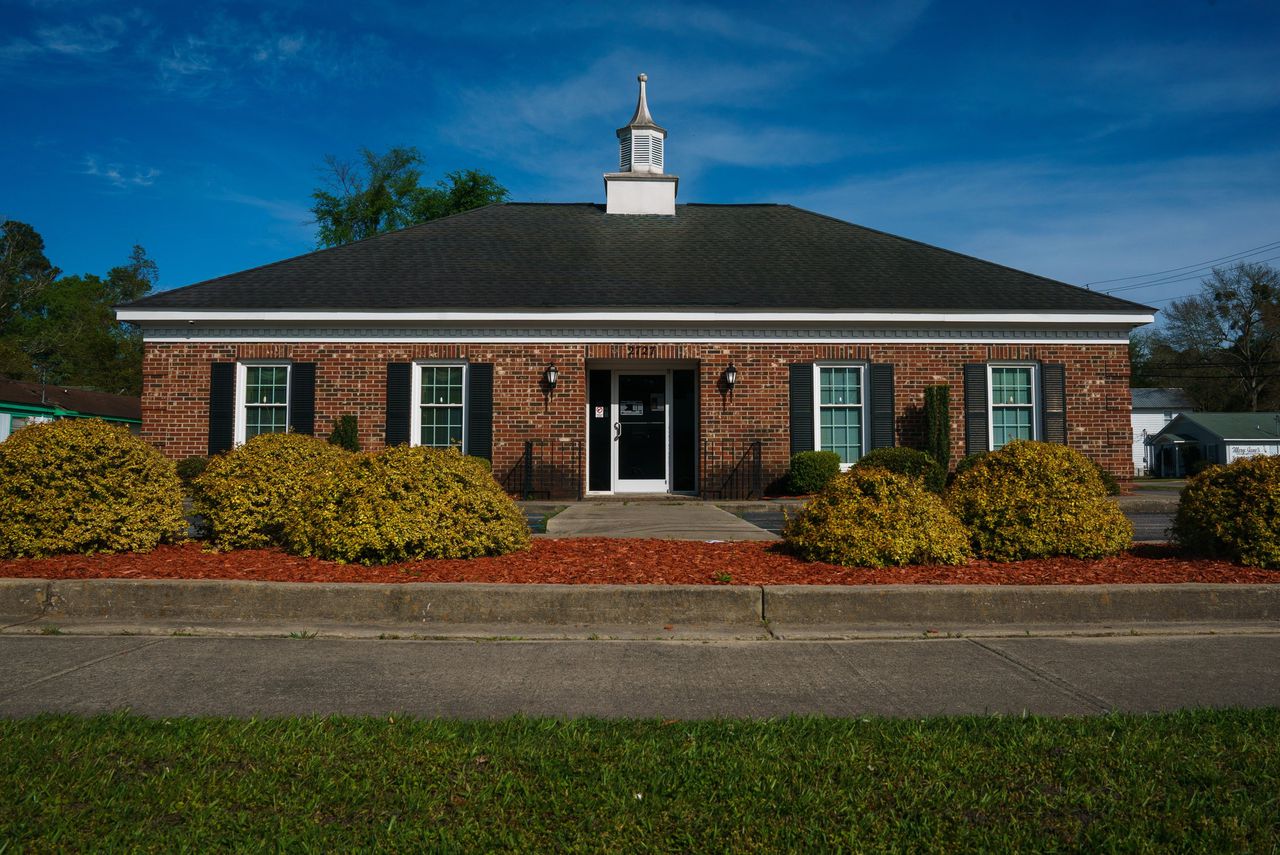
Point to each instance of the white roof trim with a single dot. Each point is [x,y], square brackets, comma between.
[277,316]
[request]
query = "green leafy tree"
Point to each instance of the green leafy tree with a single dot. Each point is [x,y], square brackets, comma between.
[25,272]
[460,191]
[62,329]
[1223,344]
[1141,346]
[384,192]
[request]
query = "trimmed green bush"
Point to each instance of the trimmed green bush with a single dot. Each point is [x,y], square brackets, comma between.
[82,486]
[244,494]
[346,433]
[1233,511]
[405,503]
[909,462]
[1037,499]
[191,468]
[872,517]
[811,471]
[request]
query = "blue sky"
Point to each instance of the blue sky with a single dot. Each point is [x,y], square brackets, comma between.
[1083,141]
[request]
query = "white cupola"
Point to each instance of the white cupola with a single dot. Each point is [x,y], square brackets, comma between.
[640,186]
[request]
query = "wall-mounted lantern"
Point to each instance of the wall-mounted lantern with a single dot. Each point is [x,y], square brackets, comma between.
[551,375]
[730,377]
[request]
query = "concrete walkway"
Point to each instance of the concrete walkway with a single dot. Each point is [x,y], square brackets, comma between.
[665,520]
[671,679]
[673,519]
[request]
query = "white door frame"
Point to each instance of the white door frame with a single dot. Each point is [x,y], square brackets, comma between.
[620,485]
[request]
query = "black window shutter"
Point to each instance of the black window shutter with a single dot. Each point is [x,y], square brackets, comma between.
[1053,397]
[302,397]
[399,394]
[882,433]
[801,407]
[222,406]
[975,408]
[480,410]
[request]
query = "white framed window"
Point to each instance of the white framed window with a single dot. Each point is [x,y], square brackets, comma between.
[839,412]
[262,399]
[1012,402]
[439,405]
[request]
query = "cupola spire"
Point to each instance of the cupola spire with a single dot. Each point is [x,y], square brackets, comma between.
[641,186]
[641,119]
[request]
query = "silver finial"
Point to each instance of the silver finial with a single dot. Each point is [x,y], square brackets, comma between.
[642,77]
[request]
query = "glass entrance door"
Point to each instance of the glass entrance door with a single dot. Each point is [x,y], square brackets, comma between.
[641,404]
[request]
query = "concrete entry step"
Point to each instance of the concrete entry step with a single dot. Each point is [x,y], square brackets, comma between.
[666,520]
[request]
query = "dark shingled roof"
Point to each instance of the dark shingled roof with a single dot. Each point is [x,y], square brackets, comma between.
[574,256]
[66,398]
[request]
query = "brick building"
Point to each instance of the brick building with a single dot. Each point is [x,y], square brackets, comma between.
[639,345]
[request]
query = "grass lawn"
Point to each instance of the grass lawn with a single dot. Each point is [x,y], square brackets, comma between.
[1185,781]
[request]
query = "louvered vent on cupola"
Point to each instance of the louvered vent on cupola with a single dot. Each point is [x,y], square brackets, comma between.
[641,151]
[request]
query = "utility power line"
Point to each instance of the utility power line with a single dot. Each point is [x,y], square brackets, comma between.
[1234,256]
[1173,280]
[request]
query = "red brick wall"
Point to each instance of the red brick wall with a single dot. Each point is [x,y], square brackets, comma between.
[351,379]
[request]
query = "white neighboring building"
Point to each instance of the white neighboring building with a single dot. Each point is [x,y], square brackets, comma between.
[1152,410]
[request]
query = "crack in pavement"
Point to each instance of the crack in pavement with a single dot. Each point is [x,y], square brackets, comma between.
[21,623]
[895,699]
[1100,703]
[80,667]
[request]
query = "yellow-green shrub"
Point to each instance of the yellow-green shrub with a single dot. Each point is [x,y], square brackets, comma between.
[1233,511]
[405,503]
[244,494]
[1037,499]
[872,517]
[82,485]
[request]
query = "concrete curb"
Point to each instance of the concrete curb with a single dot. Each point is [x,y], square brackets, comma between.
[422,605]
[409,604]
[932,606]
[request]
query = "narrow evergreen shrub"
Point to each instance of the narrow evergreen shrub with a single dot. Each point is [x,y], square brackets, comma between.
[811,471]
[82,486]
[345,433]
[872,517]
[1233,511]
[244,494]
[937,424]
[191,468]
[405,503]
[909,462]
[1037,499]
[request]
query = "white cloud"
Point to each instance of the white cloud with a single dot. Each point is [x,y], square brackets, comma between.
[1189,77]
[99,35]
[1074,222]
[118,175]
[229,52]
[293,222]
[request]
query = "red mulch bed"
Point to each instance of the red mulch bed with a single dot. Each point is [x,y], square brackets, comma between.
[631,562]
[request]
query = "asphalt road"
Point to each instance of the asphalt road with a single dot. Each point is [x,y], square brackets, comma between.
[172,676]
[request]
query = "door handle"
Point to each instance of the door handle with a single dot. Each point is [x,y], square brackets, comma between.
[617,431]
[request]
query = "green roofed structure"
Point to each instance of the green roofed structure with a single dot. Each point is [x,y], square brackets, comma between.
[1194,440]
[24,403]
